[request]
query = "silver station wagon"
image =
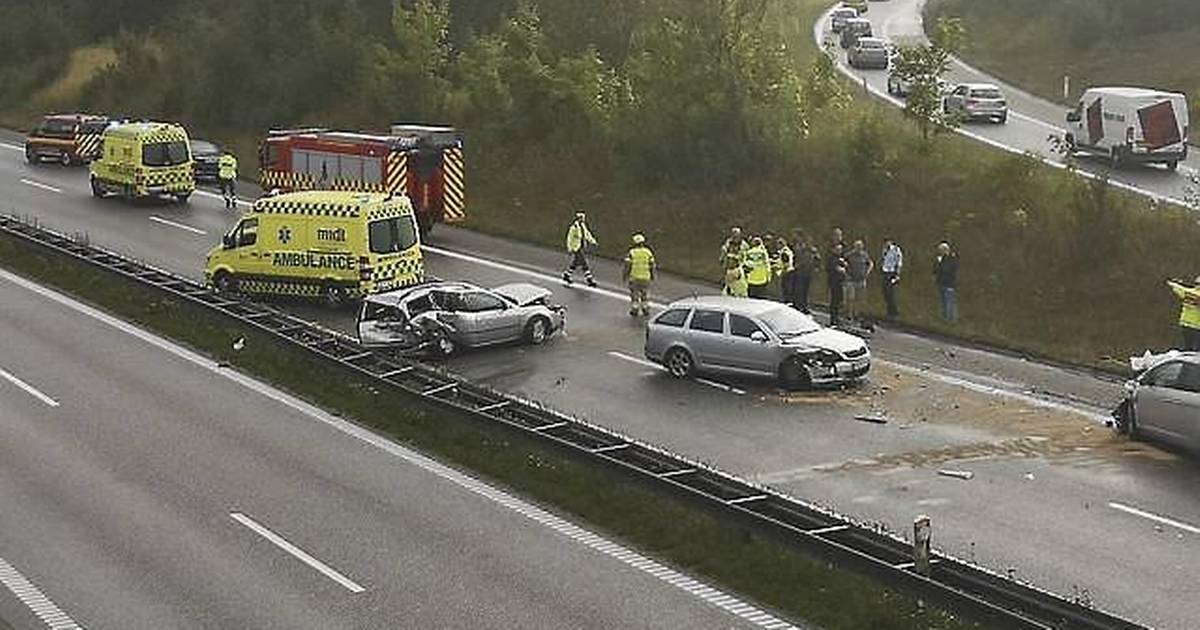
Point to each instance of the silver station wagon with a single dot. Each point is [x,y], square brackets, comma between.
[747,337]
[1163,402]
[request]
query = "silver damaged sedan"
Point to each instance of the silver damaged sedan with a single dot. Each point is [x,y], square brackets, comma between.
[446,316]
[1163,401]
[741,336]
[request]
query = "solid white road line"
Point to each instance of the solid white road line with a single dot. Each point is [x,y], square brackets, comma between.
[470,484]
[29,389]
[180,226]
[12,146]
[650,364]
[48,187]
[35,599]
[1154,517]
[297,552]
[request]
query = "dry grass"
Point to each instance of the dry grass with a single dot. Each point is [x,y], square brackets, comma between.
[84,64]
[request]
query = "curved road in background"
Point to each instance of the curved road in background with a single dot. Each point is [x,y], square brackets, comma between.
[1031,121]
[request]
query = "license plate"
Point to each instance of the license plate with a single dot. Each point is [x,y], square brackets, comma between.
[850,366]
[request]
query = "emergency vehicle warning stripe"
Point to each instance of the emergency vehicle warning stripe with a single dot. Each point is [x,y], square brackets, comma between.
[454,186]
[397,173]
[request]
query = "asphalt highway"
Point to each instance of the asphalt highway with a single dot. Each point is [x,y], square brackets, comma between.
[1046,478]
[145,487]
[1032,120]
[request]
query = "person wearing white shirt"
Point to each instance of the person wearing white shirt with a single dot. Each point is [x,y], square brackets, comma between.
[891,264]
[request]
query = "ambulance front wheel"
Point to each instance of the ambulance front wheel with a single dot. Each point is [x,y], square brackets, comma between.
[334,295]
[97,188]
[225,283]
[183,197]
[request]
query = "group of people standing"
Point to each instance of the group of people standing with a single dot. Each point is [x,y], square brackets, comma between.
[769,266]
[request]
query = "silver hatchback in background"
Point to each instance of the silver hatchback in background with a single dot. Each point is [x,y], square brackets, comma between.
[746,337]
[1163,401]
[869,52]
[977,101]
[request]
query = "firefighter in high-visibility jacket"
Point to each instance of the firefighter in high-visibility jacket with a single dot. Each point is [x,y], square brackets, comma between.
[579,238]
[227,168]
[639,272]
[758,268]
[1189,313]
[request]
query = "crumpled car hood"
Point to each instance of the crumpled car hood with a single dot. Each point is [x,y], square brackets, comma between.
[523,293]
[830,339]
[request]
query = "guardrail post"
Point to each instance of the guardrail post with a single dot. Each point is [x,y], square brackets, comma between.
[922,534]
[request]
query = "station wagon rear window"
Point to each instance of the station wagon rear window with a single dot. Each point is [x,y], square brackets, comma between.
[165,153]
[985,93]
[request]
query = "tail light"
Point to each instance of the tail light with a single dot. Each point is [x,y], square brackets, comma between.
[1129,135]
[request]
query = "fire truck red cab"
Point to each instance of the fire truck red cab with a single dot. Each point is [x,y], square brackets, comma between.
[424,162]
[66,138]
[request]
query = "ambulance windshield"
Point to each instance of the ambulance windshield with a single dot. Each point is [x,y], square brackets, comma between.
[389,236]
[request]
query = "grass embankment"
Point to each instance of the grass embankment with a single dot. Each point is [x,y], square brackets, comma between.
[1033,43]
[680,532]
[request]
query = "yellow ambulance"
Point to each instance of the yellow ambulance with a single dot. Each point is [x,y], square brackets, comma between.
[143,159]
[331,245]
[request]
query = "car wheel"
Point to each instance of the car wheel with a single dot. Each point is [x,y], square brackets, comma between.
[1003,119]
[1116,160]
[537,331]
[1172,165]
[445,346]
[225,283]
[793,375]
[31,156]
[679,363]
[97,189]
[183,197]
[64,158]
[1070,140]
[333,296]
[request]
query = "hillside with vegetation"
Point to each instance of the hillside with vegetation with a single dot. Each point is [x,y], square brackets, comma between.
[677,118]
[1035,43]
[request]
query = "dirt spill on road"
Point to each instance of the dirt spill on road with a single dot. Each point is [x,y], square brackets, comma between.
[1021,429]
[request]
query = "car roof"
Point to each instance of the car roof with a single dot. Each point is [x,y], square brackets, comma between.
[872,40]
[980,86]
[844,10]
[327,201]
[859,20]
[738,305]
[392,298]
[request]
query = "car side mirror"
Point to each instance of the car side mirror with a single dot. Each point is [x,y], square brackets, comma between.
[1072,117]
[758,336]
[228,241]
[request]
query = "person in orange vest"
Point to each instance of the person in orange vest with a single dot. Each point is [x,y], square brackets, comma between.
[1189,312]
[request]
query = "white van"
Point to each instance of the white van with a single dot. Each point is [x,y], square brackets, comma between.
[1130,125]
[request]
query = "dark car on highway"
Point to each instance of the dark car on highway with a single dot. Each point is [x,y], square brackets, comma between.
[205,156]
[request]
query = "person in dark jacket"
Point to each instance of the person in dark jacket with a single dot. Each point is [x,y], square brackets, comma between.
[945,272]
[836,269]
[808,264]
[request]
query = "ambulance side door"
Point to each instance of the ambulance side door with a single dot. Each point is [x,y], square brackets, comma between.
[246,248]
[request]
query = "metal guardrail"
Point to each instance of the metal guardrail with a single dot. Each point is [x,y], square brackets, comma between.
[957,585]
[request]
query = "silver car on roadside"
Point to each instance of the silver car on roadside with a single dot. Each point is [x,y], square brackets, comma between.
[747,337]
[1163,401]
[461,314]
[977,101]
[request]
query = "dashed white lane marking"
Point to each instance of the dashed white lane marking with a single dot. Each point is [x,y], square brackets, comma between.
[298,553]
[703,381]
[27,388]
[1154,517]
[180,226]
[40,185]
[12,147]
[35,599]
[561,526]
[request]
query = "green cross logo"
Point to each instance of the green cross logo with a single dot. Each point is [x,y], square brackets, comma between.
[285,235]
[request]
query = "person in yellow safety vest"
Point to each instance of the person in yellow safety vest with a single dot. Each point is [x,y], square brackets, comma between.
[735,245]
[579,238]
[735,277]
[1189,313]
[639,272]
[758,268]
[227,167]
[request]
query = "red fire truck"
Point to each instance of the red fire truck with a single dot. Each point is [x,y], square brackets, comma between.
[424,162]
